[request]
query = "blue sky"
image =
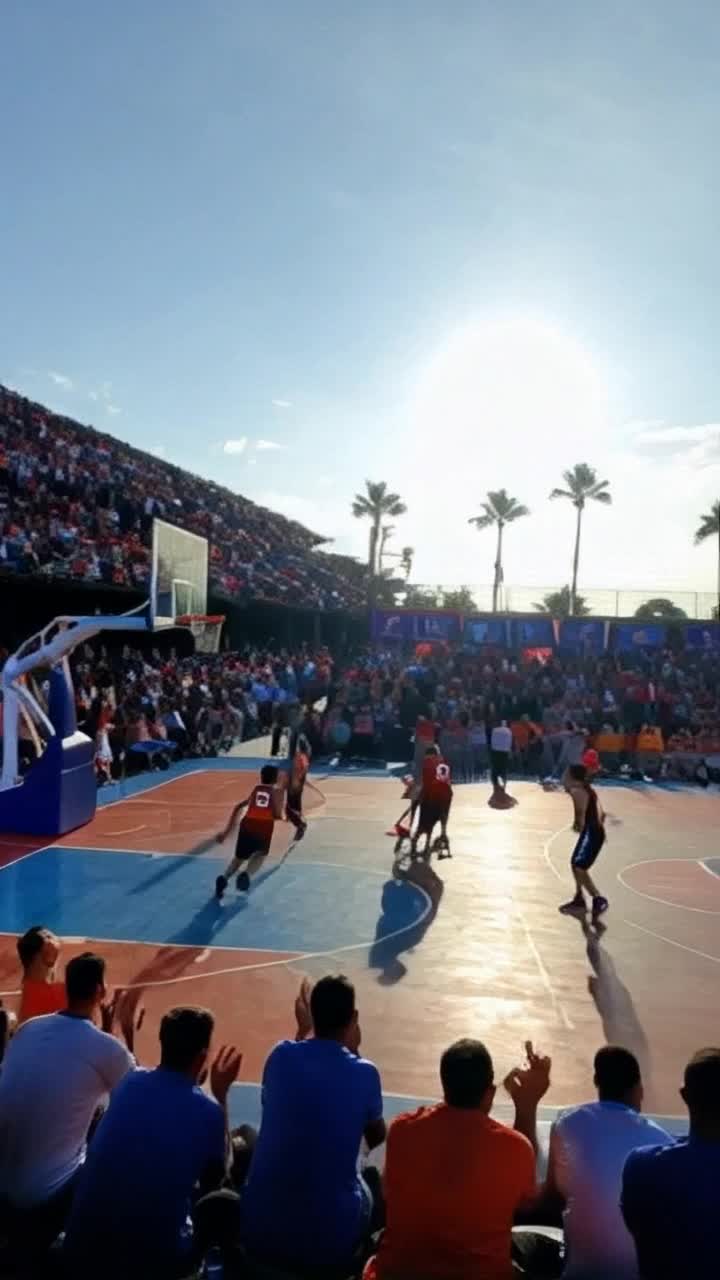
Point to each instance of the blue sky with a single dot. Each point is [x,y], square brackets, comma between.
[453,244]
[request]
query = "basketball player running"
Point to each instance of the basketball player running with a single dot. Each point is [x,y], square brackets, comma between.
[299,768]
[589,844]
[435,801]
[262,807]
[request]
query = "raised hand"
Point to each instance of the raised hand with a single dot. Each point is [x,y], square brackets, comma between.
[528,1084]
[224,1071]
[108,1010]
[303,1016]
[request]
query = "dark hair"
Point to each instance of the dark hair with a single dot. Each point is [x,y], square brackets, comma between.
[269,773]
[617,1071]
[466,1072]
[332,1005]
[185,1032]
[83,975]
[578,772]
[31,944]
[432,750]
[702,1081]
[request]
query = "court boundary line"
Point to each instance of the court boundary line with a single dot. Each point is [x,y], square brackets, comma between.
[665,902]
[672,942]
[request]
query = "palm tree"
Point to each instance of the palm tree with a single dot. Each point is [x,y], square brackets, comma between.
[386,532]
[407,555]
[582,486]
[498,509]
[709,527]
[375,503]
[557,604]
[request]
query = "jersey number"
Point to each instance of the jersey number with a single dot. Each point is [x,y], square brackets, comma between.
[262,799]
[442,773]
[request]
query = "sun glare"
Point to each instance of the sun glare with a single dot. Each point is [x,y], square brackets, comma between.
[511,380]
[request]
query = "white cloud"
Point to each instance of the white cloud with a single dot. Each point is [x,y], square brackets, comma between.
[235,446]
[660,433]
[61,380]
[283,404]
[113,408]
[92,395]
[157,450]
[262,445]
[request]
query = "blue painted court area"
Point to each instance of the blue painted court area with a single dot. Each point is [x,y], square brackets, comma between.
[292,906]
[713,864]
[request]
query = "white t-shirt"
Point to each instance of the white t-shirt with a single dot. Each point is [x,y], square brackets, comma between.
[501,738]
[56,1072]
[590,1145]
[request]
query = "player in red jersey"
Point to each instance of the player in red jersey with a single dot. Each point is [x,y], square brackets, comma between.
[299,769]
[262,807]
[435,800]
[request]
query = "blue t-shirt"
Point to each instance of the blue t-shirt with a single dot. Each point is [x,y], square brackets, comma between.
[160,1135]
[671,1204]
[303,1202]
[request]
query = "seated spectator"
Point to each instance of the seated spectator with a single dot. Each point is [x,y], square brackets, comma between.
[305,1208]
[57,1072]
[588,1148]
[455,1178]
[162,1143]
[39,951]
[671,1193]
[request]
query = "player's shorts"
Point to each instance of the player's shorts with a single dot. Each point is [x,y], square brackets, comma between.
[432,812]
[587,849]
[252,840]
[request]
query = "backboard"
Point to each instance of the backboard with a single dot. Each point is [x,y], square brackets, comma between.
[179,574]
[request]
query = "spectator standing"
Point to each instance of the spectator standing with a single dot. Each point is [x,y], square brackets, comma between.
[161,1139]
[500,748]
[454,1178]
[57,1072]
[305,1206]
[39,952]
[588,1148]
[671,1194]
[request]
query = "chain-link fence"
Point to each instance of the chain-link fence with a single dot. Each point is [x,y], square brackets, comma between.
[604,602]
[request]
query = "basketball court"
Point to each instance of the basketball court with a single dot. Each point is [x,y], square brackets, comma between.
[470,946]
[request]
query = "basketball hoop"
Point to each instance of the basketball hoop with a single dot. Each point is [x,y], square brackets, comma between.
[206,628]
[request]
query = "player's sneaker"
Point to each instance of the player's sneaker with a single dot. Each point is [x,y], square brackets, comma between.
[221,885]
[574,906]
[599,907]
[300,831]
[242,884]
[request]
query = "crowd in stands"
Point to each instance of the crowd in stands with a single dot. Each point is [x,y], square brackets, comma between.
[146,712]
[78,505]
[112,1168]
[656,711]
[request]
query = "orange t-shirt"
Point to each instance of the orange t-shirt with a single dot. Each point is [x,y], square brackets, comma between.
[453,1180]
[41,997]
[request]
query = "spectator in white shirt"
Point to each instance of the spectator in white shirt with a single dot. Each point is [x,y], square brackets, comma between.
[589,1145]
[58,1070]
[500,748]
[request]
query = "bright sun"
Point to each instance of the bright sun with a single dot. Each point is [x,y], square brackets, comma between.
[511,380]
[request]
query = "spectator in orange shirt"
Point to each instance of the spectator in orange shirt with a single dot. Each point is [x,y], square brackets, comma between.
[39,952]
[454,1178]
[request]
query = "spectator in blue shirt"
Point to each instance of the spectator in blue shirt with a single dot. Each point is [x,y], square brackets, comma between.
[305,1207]
[162,1142]
[671,1194]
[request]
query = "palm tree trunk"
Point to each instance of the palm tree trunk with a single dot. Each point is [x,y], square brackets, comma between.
[372,548]
[576,563]
[498,568]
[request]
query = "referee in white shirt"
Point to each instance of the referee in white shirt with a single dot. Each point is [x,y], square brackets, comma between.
[500,748]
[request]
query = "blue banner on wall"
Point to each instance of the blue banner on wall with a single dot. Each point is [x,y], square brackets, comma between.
[702,635]
[480,631]
[586,637]
[409,625]
[633,635]
[533,633]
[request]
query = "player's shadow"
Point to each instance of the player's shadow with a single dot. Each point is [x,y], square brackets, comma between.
[201,930]
[620,1022]
[399,929]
